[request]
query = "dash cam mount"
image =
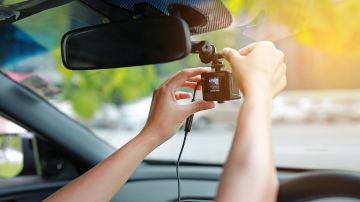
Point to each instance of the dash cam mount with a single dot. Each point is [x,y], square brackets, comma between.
[217,85]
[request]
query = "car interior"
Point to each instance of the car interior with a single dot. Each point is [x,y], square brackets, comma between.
[100,35]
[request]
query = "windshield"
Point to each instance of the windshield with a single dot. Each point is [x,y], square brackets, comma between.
[316,121]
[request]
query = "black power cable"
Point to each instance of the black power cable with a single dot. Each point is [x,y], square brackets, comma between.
[177,167]
[188,125]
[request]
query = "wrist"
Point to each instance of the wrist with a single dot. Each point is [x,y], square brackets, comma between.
[258,92]
[151,136]
[256,87]
[260,99]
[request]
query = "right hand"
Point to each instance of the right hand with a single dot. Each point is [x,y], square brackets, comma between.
[258,68]
[166,115]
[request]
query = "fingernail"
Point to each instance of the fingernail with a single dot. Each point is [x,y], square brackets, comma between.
[225,51]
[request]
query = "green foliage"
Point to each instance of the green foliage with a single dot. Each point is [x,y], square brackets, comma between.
[333,28]
[9,170]
[84,101]
[87,89]
[9,2]
[234,5]
[13,141]
[328,25]
[311,23]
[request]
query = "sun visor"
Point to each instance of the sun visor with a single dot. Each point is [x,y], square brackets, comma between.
[201,15]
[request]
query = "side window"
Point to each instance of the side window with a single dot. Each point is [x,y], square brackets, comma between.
[12,142]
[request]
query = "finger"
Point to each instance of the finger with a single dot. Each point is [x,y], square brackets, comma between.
[232,56]
[279,72]
[178,79]
[182,95]
[195,78]
[283,69]
[191,85]
[247,49]
[198,106]
[152,102]
[277,80]
[280,86]
[188,84]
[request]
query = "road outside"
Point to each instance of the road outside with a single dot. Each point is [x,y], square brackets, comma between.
[325,146]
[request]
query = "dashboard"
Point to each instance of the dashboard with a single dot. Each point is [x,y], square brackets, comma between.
[157,183]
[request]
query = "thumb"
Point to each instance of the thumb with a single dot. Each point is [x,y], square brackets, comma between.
[231,55]
[199,105]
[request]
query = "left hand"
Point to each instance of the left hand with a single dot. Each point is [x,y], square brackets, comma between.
[166,115]
[258,68]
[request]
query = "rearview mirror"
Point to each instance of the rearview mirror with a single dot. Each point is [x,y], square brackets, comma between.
[124,44]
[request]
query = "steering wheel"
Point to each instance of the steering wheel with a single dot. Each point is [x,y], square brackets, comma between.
[320,184]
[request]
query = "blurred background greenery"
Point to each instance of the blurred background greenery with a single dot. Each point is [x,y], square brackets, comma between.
[316,25]
[10,169]
[319,38]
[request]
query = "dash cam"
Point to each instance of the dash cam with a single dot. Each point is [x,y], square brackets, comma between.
[217,85]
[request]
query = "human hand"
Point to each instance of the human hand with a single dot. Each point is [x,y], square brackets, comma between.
[258,68]
[166,115]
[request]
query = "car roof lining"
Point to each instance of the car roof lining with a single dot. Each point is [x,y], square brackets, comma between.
[215,15]
[214,11]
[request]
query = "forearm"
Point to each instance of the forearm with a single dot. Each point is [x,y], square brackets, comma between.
[103,181]
[249,173]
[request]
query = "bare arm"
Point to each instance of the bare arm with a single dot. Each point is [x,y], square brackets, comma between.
[103,181]
[249,173]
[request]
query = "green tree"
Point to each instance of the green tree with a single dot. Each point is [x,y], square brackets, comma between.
[328,25]
[88,89]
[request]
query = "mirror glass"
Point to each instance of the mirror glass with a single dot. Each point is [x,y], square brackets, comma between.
[124,44]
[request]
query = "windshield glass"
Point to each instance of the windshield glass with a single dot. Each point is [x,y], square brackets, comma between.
[316,121]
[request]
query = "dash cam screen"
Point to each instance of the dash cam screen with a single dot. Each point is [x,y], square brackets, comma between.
[214,84]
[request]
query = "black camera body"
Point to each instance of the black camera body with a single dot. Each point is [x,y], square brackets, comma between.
[219,86]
